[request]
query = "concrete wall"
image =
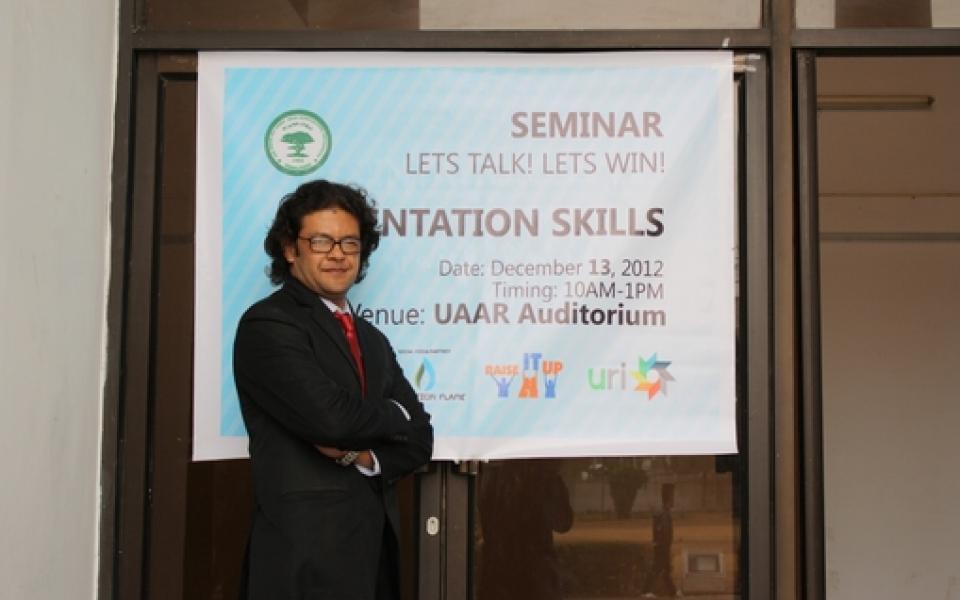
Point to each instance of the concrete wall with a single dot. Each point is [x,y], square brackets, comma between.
[890,260]
[57,81]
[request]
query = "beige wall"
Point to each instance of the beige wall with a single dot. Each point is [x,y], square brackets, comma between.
[890,260]
[57,79]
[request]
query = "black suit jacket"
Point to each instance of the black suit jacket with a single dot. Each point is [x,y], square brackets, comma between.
[318,528]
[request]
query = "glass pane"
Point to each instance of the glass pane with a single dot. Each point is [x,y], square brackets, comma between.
[828,14]
[815,14]
[280,15]
[199,514]
[599,14]
[622,527]
[398,15]
[945,13]
[890,218]
[883,13]
[612,527]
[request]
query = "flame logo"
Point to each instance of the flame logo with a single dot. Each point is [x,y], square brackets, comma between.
[425,377]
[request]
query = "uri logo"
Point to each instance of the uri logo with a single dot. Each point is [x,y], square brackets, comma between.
[535,371]
[298,142]
[425,377]
[650,376]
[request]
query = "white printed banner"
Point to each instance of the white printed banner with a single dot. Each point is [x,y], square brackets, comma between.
[556,271]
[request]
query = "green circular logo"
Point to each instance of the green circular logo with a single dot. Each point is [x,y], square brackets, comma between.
[298,142]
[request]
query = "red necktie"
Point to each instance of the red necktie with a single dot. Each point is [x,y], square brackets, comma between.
[346,323]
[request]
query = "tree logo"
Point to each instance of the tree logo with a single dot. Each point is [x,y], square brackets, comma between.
[298,142]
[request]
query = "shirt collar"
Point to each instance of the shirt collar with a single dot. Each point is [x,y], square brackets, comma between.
[334,308]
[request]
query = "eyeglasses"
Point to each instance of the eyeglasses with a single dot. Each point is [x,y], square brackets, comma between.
[321,244]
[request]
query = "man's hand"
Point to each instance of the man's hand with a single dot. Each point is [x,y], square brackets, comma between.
[331,453]
[365,460]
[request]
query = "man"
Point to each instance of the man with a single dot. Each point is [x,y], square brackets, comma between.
[332,424]
[660,577]
[521,504]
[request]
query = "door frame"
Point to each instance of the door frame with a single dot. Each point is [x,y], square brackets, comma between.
[811,409]
[444,558]
[445,494]
[813,45]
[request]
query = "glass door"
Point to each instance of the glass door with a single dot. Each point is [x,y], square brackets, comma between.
[621,527]
[612,527]
[183,525]
[627,527]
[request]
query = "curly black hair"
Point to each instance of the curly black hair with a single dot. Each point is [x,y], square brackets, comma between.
[311,197]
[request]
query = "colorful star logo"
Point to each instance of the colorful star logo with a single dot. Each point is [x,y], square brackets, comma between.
[645,382]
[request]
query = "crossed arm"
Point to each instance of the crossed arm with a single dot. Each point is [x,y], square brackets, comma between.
[396,457]
[275,363]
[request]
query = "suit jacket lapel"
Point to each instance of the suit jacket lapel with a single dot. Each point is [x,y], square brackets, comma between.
[330,326]
[324,319]
[370,350]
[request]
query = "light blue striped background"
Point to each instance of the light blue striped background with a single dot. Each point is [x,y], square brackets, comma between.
[378,115]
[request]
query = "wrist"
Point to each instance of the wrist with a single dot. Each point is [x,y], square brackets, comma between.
[348,458]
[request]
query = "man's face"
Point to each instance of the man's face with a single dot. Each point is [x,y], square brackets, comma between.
[329,274]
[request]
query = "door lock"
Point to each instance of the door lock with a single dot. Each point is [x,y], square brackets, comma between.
[433,525]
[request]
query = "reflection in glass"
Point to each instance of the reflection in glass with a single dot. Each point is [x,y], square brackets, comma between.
[598,14]
[875,14]
[281,15]
[883,13]
[659,579]
[521,503]
[603,528]
[411,15]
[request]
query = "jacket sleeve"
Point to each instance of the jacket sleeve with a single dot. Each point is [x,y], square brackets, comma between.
[401,457]
[275,369]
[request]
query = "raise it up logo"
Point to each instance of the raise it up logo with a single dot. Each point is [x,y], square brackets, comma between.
[650,376]
[535,371]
